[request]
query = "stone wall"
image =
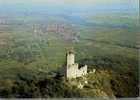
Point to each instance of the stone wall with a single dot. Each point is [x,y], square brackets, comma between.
[82,71]
[70,58]
[72,70]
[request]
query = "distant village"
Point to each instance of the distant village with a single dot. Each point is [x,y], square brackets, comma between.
[59,28]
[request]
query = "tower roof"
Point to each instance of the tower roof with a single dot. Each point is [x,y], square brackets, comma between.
[71,51]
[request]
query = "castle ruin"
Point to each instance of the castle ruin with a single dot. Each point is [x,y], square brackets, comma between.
[72,69]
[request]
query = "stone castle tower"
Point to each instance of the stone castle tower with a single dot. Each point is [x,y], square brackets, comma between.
[72,69]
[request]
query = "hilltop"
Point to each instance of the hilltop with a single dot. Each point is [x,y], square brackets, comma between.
[98,85]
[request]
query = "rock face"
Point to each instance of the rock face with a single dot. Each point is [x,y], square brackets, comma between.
[72,69]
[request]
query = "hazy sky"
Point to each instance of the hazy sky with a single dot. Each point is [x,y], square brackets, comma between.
[70,1]
[100,4]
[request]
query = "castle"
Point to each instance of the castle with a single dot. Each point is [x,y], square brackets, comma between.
[72,69]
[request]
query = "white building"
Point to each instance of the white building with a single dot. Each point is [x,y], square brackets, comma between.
[72,69]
